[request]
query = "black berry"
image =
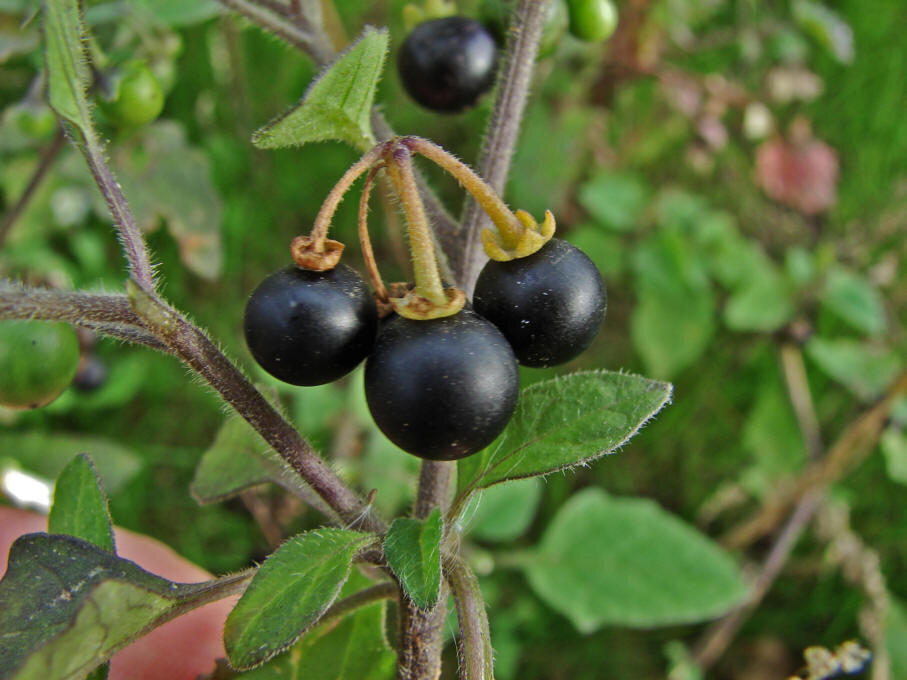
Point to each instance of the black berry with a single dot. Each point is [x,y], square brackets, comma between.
[92,374]
[447,64]
[548,305]
[441,389]
[310,328]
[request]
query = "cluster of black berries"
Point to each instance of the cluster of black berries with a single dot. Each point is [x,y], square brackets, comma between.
[441,388]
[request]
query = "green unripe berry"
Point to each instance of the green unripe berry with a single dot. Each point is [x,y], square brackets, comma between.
[592,20]
[134,96]
[38,360]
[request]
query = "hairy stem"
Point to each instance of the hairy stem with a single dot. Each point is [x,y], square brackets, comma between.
[365,242]
[381,591]
[514,80]
[801,398]
[44,165]
[130,236]
[476,654]
[305,39]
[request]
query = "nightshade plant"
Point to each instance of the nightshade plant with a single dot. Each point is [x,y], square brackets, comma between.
[67,602]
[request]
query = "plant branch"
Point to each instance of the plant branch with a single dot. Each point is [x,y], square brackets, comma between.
[475,652]
[854,444]
[801,398]
[514,80]
[434,483]
[311,42]
[44,164]
[720,635]
[130,236]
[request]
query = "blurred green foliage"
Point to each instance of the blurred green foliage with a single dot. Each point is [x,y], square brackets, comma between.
[649,159]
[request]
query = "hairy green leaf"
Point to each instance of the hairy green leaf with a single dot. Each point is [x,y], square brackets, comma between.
[290,592]
[338,104]
[68,75]
[353,648]
[564,422]
[239,458]
[66,606]
[625,561]
[413,551]
[80,506]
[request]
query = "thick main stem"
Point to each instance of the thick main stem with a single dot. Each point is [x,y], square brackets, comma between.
[503,129]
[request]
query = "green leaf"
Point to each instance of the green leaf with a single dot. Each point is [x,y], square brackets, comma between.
[47,455]
[564,422]
[896,637]
[674,320]
[338,104]
[625,561]
[852,298]
[353,648]
[239,458]
[503,512]
[616,200]
[827,27]
[865,369]
[413,550]
[67,606]
[68,75]
[894,449]
[80,506]
[772,437]
[762,304]
[290,592]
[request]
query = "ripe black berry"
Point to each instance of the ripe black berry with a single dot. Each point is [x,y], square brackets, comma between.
[548,305]
[310,328]
[441,389]
[447,64]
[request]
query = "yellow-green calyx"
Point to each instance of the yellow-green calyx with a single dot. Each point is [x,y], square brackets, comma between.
[415,306]
[518,238]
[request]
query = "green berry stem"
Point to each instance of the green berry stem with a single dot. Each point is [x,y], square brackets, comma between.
[368,255]
[425,266]
[329,207]
[503,218]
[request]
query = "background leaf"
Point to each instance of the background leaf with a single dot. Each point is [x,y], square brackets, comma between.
[896,638]
[66,606]
[503,512]
[290,593]
[352,648]
[239,458]
[615,200]
[80,507]
[894,449]
[674,320]
[47,455]
[864,368]
[625,561]
[338,104]
[164,178]
[563,422]
[413,550]
[852,298]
